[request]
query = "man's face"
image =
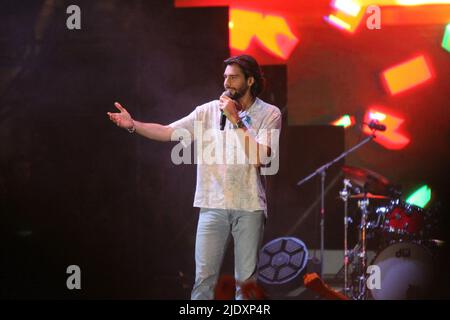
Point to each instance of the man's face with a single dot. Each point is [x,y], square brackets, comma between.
[235,82]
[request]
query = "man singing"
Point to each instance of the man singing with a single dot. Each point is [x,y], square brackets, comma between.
[230,195]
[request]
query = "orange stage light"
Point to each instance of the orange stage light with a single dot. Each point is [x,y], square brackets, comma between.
[350,13]
[407,75]
[271,31]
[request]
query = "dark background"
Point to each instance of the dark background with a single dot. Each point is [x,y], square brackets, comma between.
[74,189]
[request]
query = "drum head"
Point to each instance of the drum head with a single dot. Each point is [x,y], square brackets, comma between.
[406,272]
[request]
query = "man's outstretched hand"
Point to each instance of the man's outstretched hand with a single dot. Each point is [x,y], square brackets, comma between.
[121,119]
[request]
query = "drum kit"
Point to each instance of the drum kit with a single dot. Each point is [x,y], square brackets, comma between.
[406,250]
[398,232]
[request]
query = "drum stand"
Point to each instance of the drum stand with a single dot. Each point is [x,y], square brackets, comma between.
[344,194]
[358,286]
[362,252]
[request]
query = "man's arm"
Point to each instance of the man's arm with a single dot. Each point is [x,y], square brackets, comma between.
[152,131]
[256,152]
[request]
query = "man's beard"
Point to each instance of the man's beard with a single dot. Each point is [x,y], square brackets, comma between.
[238,93]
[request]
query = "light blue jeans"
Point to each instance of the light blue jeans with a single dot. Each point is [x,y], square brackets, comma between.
[213,233]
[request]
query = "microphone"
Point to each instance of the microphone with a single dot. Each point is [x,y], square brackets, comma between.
[374,125]
[223,117]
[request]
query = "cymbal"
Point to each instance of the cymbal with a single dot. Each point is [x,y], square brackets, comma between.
[368,196]
[367,179]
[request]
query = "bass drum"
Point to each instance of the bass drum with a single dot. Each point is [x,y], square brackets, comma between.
[406,271]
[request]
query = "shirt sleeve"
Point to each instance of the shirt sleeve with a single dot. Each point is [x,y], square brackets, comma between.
[187,122]
[270,130]
[184,130]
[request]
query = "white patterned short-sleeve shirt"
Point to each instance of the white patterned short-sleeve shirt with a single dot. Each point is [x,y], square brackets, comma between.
[230,184]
